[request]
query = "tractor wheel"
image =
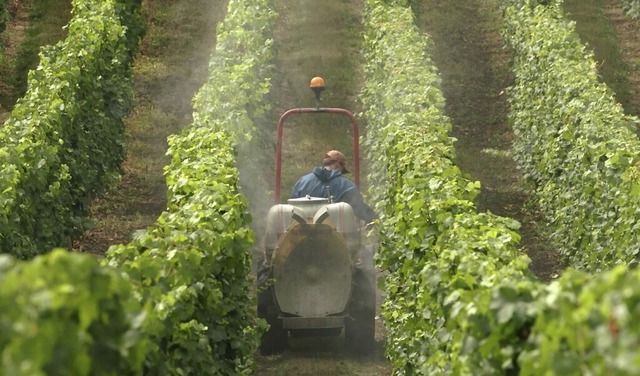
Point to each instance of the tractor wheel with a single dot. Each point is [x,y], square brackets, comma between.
[274,340]
[360,328]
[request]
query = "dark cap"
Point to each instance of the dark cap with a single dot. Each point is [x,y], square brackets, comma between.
[338,157]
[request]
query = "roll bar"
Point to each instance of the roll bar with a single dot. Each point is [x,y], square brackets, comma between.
[317,110]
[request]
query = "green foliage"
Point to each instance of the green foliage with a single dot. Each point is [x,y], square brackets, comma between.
[63,314]
[45,27]
[459,296]
[64,141]
[185,280]
[234,95]
[459,292]
[632,8]
[573,140]
[129,13]
[192,268]
[587,326]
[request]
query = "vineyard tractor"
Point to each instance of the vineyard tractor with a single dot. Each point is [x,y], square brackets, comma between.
[317,277]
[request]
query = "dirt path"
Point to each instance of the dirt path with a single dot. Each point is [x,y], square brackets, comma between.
[312,41]
[34,23]
[470,56]
[469,53]
[10,41]
[614,39]
[171,66]
[628,41]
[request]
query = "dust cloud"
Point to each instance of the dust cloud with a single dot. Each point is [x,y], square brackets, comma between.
[255,162]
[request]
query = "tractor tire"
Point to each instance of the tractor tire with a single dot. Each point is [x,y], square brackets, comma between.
[360,327]
[275,339]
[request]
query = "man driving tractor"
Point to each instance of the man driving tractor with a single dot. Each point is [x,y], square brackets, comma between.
[316,277]
[328,181]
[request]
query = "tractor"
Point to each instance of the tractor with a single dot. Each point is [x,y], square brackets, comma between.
[317,277]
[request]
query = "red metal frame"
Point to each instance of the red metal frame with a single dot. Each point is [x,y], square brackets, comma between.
[339,111]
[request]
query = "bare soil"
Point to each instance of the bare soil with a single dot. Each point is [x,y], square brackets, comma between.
[628,42]
[474,64]
[33,23]
[10,41]
[318,41]
[171,66]
[613,38]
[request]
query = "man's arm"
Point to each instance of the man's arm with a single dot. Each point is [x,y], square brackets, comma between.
[360,208]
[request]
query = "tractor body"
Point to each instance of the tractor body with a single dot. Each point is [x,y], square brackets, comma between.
[316,278]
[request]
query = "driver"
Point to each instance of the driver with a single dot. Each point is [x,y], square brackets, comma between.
[328,181]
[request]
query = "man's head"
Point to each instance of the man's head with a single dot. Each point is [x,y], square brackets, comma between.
[335,160]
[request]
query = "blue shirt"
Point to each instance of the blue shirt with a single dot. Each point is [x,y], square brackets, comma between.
[331,183]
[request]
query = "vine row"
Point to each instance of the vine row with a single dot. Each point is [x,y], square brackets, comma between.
[174,300]
[573,140]
[459,296]
[64,140]
[457,288]
[192,269]
[64,314]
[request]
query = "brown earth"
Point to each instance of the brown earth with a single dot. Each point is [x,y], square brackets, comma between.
[318,41]
[470,54]
[10,41]
[171,66]
[33,23]
[613,37]
[628,42]
[474,65]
